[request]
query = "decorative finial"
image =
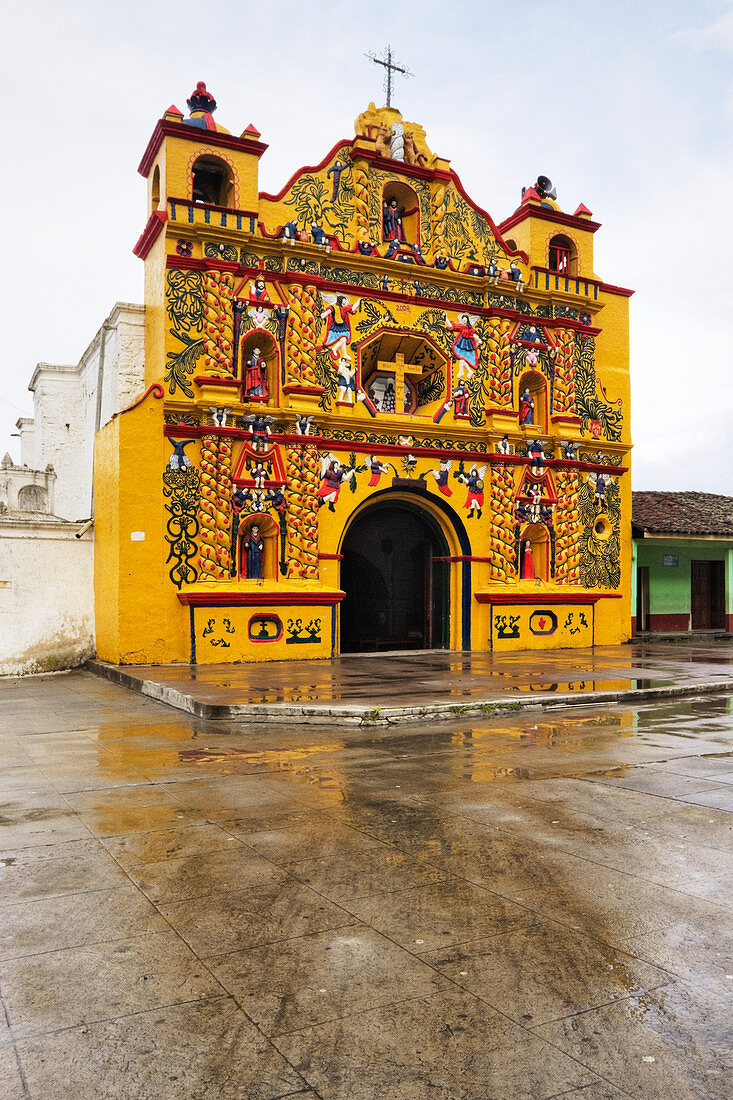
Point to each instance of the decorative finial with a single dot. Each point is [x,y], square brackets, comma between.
[201,100]
[387,63]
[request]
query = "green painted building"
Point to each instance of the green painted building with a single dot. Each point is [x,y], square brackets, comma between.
[683,562]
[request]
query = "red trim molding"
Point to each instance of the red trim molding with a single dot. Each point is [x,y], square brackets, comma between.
[310,168]
[205,380]
[547,214]
[165,129]
[463,557]
[543,598]
[150,233]
[330,557]
[263,597]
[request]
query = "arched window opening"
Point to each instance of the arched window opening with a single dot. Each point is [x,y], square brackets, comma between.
[259,365]
[534,556]
[32,498]
[533,401]
[400,214]
[212,182]
[155,189]
[562,256]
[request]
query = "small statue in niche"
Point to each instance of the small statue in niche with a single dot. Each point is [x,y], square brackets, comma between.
[526,407]
[492,270]
[392,228]
[336,171]
[255,376]
[441,262]
[568,449]
[528,569]
[254,549]
[503,447]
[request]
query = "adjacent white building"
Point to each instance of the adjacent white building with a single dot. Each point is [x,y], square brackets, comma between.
[46,500]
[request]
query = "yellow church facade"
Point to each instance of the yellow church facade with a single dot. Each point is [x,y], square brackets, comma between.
[374,419]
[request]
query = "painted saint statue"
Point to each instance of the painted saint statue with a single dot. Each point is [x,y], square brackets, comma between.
[392,228]
[526,408]
[466,343]
[255,376]
[254,550]
[338,322]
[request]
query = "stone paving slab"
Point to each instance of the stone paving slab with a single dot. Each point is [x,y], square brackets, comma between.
[526,905]
[413,686]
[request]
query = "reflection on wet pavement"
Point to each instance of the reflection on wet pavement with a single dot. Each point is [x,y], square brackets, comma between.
[406,679]
[534,905]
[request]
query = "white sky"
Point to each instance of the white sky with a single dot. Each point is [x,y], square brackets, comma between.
[627,106]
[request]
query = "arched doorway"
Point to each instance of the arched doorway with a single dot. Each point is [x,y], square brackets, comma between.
[397,594]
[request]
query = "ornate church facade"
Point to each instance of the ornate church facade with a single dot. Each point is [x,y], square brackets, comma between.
[374,419]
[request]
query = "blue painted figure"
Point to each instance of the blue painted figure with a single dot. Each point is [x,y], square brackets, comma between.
[336,171]
[254,548]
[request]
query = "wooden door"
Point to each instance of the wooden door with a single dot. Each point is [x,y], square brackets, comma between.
[642,597]
[708,595]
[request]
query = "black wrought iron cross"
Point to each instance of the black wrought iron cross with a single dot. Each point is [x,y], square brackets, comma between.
[391,67]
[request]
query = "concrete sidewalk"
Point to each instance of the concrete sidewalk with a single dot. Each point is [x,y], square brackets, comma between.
[404,687]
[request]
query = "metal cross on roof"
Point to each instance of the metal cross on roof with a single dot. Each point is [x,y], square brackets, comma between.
[387,63]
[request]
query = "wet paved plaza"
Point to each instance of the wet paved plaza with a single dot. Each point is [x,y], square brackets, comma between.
[531,906]
[404,685]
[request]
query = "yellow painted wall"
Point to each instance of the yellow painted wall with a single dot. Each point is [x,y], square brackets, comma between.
[199,278]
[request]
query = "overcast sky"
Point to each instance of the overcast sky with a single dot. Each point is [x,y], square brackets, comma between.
[627,106]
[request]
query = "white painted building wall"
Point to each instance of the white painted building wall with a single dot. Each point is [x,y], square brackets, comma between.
[46,572]
[70,406]
[46,595]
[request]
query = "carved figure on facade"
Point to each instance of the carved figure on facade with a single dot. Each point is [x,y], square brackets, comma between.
[474,482]
[526,407]
[441,476]
[254,551]
[337,317]
[332,476]
[255,376]
[466,343]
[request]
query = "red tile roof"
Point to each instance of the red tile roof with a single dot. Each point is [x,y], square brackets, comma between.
[683,513]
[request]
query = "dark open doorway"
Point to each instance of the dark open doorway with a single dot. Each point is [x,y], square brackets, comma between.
[708,595]
[396,593]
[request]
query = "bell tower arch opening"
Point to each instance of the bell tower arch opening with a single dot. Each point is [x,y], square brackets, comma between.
[397,593]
